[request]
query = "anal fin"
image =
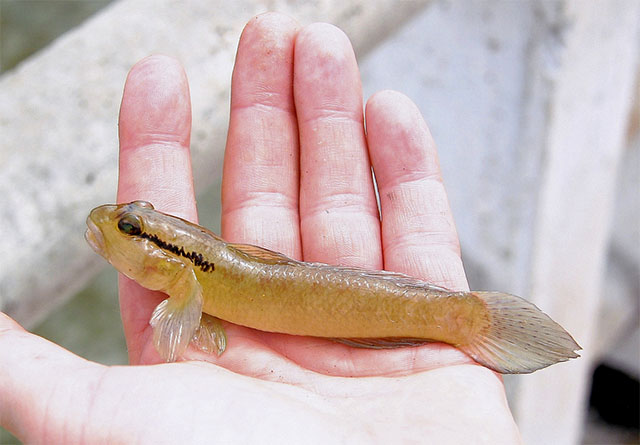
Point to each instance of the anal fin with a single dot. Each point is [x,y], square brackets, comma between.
[382,343]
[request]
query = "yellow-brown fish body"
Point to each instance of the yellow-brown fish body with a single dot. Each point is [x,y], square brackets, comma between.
[265,290]
[326,301]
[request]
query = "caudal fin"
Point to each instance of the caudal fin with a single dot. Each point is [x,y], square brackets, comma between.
[520,337]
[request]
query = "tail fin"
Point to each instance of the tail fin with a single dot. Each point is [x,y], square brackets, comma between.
[520,337]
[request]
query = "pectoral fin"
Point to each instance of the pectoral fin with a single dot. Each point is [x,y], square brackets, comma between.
[177,318]
[210,336]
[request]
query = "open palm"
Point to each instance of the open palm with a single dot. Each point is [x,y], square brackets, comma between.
[297,179]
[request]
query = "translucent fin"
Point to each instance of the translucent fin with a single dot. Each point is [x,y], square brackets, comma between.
[399,279]
[520,338]
[382,343]
[210,336]
[176,319]
[262,254]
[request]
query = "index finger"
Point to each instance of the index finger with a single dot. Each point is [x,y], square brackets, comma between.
[155,166]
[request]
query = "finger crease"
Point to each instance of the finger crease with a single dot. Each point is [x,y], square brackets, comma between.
[427,241]
[265,199]
[413,177]
[335,115]
[266,105]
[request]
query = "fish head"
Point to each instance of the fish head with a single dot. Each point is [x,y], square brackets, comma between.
[119,233]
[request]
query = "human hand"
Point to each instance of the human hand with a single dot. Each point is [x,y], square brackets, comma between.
[296,180]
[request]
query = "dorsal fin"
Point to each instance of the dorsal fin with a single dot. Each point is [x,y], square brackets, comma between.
[261,254]
[396,278]
[403,280]
[208,232]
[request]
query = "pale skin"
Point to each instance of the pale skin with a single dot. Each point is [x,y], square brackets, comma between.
[296,180]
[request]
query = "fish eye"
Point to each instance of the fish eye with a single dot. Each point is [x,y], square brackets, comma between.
[130,224]
[144,204]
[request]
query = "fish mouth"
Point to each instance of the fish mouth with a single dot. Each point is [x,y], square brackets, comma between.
[94,237]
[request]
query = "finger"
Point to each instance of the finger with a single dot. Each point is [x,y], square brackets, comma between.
[154,130]
[418,232]
[155,165]
[338,213]
[260,178]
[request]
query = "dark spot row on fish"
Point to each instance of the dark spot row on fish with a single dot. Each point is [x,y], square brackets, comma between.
[196,258]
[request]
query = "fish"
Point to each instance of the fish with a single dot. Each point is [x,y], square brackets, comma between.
[208,280]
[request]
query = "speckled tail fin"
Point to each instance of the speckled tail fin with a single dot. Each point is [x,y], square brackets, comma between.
[520,338]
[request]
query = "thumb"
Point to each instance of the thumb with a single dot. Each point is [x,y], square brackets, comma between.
[41,385]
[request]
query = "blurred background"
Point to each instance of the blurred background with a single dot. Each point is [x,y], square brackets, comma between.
[535,106]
